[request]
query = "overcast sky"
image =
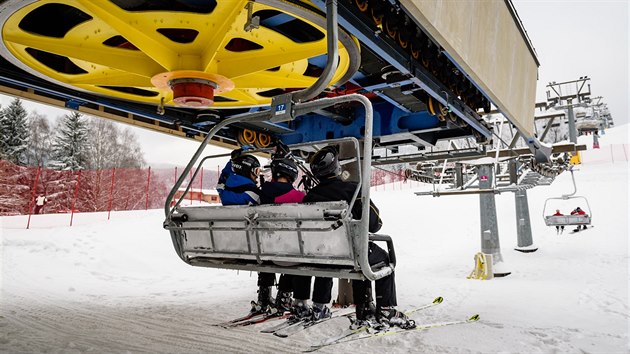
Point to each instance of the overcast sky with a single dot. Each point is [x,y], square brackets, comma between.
[581,38]
[571,38]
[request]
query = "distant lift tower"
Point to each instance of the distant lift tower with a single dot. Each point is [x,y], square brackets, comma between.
[525,242]
[566,95]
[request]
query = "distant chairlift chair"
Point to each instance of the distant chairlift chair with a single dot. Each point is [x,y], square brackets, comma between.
[567,220]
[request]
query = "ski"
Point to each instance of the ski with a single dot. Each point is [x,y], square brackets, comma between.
[581,230]
[291,328]
[292,322]
[364,332]
[258,319]
[287,331]
[438,300]
[289,322]
[249,316]
[302,325]
[337,338]
[351,331]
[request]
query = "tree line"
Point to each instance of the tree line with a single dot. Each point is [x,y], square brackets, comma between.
[74,142]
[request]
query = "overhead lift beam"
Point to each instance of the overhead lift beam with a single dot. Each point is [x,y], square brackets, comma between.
[469,154]
[417,74]
[502,63]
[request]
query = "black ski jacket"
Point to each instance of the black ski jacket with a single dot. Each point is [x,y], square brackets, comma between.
[335,189]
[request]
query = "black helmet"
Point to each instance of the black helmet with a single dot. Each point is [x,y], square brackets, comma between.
[284,167]
[245,165]
[325,163]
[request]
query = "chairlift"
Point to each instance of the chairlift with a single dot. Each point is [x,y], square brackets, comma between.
[567,220]
[317,239]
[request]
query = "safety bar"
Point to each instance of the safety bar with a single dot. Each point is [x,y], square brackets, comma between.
[390,247]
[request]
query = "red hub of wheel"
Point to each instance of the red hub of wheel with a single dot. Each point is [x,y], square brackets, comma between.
[193,92]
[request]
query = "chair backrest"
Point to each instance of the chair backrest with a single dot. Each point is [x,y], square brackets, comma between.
[564,220]
[284,234]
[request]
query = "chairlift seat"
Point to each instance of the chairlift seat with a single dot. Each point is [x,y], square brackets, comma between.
[566,220]
[305,239]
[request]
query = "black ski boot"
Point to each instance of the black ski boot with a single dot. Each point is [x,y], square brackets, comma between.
[301,310]
[393,317]
[366,315]
[366,311]
[265,301]
[284,301]
[320,311]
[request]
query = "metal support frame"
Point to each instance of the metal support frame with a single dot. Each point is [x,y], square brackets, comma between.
[547,128]
[488,216]
[573,90]
[332,59]
[571,116]
[525,242]
[524,239]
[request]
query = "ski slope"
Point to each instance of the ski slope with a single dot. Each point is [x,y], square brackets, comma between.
[117,285]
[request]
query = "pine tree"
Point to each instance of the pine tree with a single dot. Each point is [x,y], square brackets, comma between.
[71,143]
[2,134]
[14,133]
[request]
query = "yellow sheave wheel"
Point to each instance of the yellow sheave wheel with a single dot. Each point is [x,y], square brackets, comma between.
[430,106]
[262,140]
[362,5]
[146,50]
[246,137]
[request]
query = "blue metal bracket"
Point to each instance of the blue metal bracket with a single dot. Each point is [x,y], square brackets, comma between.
[74,103]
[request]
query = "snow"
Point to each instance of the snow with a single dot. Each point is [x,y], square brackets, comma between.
[117,285]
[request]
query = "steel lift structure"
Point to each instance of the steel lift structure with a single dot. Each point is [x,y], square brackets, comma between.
[387,73]
[181,66]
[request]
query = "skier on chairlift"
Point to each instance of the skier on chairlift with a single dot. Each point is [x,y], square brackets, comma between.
[237,182]
[559,228]
[326,168]
[579,211]
[284,172]
[237,186]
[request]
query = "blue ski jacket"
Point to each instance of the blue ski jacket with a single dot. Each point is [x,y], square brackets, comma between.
[238,190]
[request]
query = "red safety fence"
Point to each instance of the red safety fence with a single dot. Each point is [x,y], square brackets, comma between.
[113,189]
[613,153]
[89,190]
[381,176]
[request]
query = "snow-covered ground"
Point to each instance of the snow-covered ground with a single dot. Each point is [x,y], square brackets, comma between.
[117,285]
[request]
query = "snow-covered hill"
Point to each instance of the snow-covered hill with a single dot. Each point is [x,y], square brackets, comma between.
[117,286]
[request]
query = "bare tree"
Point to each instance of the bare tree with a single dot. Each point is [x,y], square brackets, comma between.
[113,148]
[103,136]
[129,151]
[40,143]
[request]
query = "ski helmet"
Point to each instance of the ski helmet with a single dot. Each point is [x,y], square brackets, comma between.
[245,165]
[325,163]
[284,167]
